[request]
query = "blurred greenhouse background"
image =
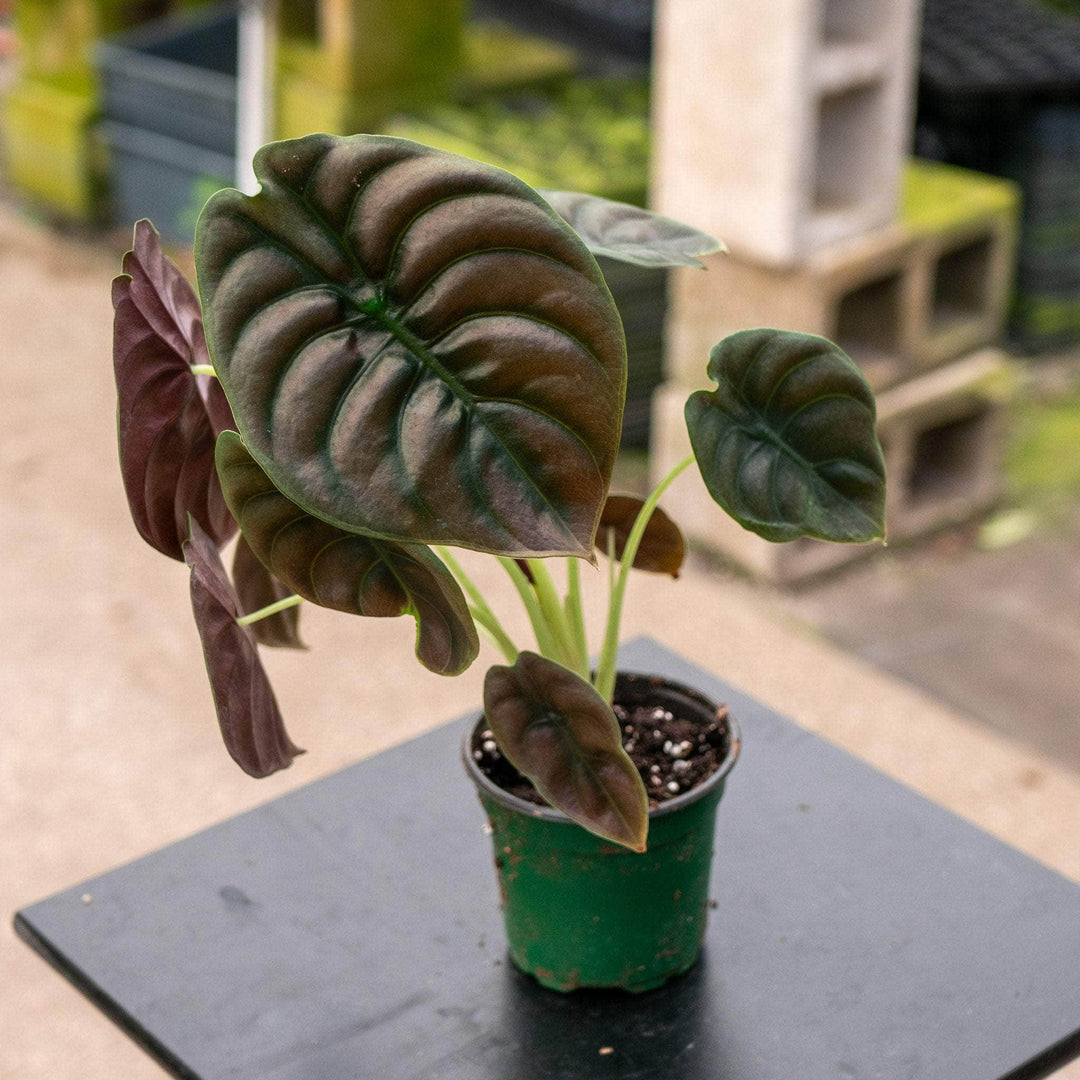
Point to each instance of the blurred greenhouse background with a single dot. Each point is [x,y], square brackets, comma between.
[902,176]
[952,277]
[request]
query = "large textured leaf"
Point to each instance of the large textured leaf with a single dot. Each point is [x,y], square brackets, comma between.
[415,345]
[786,443]
[247,712]
[347,572]
[167,417]
[257,588]
[628,233]
[560,733]
[662,548]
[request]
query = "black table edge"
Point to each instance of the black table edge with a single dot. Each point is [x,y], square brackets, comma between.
[90,990]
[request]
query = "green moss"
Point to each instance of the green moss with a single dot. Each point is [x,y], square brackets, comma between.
[1046,315]
[1043,463]
[938,196]
[56,39]
[1064,233]
[584,135]
[498,58]
[52,158]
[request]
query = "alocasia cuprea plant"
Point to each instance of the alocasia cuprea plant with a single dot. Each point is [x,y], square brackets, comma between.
[405,352]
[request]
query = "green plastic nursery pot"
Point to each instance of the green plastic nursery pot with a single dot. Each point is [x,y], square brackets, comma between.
[583,912]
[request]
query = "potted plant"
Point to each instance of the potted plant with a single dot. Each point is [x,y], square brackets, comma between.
[405,352]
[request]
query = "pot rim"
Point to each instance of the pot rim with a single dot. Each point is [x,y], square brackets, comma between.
[546,813]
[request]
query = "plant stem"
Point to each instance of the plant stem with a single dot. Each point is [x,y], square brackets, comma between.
[605,668]
[490,625]
[203,369]
[481,612]
[270,609]
[554,615]
[545,639]
[575,614]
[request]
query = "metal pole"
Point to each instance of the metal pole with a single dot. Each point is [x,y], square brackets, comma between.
[255,68]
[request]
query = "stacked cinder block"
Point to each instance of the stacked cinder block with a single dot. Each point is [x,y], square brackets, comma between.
[783,129]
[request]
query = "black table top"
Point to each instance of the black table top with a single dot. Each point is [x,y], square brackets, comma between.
[345,931]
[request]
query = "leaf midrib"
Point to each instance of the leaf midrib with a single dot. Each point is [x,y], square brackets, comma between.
[761,431]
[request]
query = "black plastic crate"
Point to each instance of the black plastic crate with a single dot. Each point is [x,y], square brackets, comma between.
[601,28]
[998,47]
[163,179]
[175,77]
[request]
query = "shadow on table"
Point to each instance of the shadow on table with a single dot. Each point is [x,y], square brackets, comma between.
[592,1033]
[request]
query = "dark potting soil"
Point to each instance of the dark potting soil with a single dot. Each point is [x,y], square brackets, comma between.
[672,753]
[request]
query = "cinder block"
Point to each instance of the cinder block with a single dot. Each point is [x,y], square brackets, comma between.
[899,300]
[862,294]
[965,226]
[943,438]
[944,435]
[782,126]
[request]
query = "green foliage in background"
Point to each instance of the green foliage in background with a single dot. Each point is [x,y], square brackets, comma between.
[1043,465]
[1071,7]
[581,135]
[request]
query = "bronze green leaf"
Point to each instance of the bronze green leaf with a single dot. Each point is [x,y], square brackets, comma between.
[247,711]
[662,548]
[630,234]
[167,417]
[345,571]
[257,588]
[559,732]
[415,345]
[787,444]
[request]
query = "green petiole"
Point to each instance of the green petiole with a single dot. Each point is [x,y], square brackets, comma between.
[495,633]
[553,613]
[605,668]
[559,626]
[546,640]
[575,614]
[203,369]
[479,607]
[270,609]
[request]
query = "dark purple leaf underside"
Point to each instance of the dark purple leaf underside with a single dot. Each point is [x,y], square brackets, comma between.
[560,733]
[257,588]
[661,550]
[247,711]
[167,417]
[416,346]
[341,570]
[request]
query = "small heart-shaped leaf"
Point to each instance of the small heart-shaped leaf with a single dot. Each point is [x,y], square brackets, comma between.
[620,231]
[257,588]
[167,417]
[247,711]
[662,548]
[558,731]
[347,572]
[786,444]
[415,345]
